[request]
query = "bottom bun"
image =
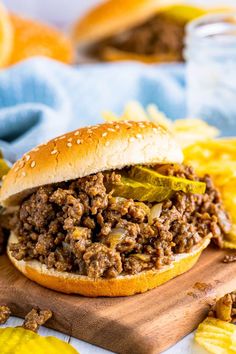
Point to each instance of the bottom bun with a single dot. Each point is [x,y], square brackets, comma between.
[120,286]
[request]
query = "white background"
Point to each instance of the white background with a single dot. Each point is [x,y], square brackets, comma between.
[64,12]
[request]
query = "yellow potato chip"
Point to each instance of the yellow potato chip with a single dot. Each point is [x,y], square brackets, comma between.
[22,341]
[218,158]
[216,336]
[186,131]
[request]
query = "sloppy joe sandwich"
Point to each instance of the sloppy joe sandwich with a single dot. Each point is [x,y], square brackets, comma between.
[110,210]
[150,31]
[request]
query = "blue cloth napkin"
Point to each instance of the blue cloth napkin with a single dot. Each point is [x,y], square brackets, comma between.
[41,98]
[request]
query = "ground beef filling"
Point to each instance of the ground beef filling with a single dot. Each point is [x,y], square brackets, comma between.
[78,226]
[36,318]
[4,314]
[159,35]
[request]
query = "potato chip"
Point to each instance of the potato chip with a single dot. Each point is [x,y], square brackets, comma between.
[22,341]
[216,336]
[4,168]
[217,158]
[186,131]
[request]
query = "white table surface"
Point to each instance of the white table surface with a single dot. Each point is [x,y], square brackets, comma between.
[185,346]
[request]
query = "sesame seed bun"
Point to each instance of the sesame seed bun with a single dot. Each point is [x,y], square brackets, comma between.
[115,16]
[86,151]
[32,38]
[120,286]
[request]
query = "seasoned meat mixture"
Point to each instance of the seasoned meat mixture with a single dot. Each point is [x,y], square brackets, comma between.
[4,314]
[159,35]
[36,318]
[78,226]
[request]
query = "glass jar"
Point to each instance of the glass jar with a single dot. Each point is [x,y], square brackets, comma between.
[210,53]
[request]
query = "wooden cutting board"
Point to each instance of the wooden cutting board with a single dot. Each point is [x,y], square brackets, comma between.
[140,324]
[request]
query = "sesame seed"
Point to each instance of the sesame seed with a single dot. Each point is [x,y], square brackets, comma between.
[21,164]
[78,141]
[33,163]
[131,139]
[111,129]
[107,143]
[76,133]
[3,177]
[139,136]
[155,130]
[117,126]
[53,152]
[27,157]
[70,139]
[69,145]
[62,137]
[23,173]
[36,149]
[104,134]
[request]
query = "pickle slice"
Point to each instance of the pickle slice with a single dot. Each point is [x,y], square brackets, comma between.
[147,175]
[144,192]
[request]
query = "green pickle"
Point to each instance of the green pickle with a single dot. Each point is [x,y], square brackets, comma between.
[149,176]
[144,192]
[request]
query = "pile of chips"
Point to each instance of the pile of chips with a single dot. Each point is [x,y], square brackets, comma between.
[186,131]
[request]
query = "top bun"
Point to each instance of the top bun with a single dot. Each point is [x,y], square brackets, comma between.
[115,16]
[86,151]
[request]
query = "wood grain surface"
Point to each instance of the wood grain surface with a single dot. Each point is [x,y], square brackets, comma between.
[141,324]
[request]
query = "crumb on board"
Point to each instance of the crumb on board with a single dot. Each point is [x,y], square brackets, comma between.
[5,313]
[36,318]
